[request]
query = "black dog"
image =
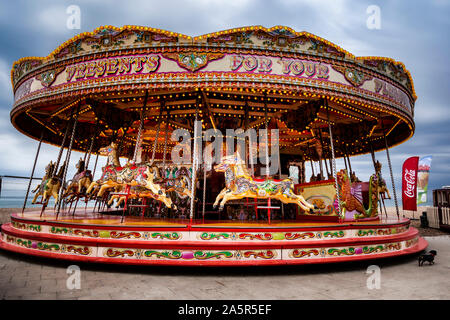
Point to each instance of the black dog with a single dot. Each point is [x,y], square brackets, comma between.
[427,257]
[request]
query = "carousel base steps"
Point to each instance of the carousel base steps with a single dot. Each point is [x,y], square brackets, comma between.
[103,239]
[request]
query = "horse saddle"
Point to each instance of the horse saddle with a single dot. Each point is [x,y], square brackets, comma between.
[86,173]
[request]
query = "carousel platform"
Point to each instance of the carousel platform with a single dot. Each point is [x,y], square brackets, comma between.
[102,238]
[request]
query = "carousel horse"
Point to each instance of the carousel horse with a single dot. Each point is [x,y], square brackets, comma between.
[114,174]
[136,192]
[382,187]
[175,179]
[131,175]
[81,179]
[157,189]
[53,185]
[240,184]
[351,197]
[40,188]
[104,198]
[109,172]
[150,190]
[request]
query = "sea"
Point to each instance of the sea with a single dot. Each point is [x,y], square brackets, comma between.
[13,192]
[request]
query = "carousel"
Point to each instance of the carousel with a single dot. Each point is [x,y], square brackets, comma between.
[207,142]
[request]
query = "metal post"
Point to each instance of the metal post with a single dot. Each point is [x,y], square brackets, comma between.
[390,171]
[204,190]
[330,162]
[166,137]
[86,164]
[122,141]
[155,143]
[326,167]
[381,200]
[93,178]
[55,169]
[95,167]
[250,154]
[141,127]
[69,151]
[324,160]
[91,146]
[267,153]
[194,164]
[250,151]
[312,166]
[334,161]
[349,164]
[267,135]
[372,153]
[32,172]
[62,146]
[345,163]
[279,173]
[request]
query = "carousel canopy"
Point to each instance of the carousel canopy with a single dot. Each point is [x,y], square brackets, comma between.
[237,78]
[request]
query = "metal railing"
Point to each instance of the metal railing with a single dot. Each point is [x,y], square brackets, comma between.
[14,177]
[438,217]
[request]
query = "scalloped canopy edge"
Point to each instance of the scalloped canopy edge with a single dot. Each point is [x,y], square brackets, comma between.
[286,31]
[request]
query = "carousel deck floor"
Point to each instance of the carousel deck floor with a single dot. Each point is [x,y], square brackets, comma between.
[102,238]
[88,217]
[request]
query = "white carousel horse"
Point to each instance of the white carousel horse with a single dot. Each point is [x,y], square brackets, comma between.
[240,184]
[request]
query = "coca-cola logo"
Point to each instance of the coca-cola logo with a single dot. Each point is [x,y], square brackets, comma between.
[410,179]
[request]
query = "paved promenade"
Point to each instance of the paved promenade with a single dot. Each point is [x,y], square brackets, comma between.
[23,277]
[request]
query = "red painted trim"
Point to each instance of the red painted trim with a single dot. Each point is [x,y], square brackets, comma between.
[206,227]
[346,226]
[312,218]
[209,244]
[420,246]
[99,226]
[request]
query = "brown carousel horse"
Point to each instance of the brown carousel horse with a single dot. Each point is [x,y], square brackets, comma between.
[149,190]
[240,184]
[109,176]
[382,187]
[131,175]
[40,188]
[80,181]
[174,178]
[53,186]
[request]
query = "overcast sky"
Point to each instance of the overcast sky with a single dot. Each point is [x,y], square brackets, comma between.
[414,32]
